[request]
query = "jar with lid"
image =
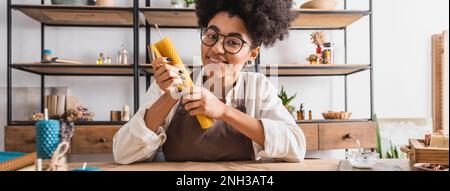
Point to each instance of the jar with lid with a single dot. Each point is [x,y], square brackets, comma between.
[328,53]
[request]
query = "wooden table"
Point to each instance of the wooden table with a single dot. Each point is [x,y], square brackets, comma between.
[307,165]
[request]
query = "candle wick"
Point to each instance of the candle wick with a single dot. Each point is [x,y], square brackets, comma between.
[159,31]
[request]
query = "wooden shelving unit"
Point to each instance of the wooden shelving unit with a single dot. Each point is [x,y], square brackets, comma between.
[312,70]
[76,16]
[326,19]
[318,132]
[57,15]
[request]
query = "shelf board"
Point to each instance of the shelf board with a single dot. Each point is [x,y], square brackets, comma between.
[63,15]
[171,17]
[148,69]
[312,70]
[321,19]
[326,19]
[58,69]
[332,121]
[87,123]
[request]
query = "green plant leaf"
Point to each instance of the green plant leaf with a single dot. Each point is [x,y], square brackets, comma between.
[395,153]
[290,99]
[285,99]
[377,126]
[392,152]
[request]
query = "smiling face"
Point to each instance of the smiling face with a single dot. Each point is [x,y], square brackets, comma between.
[218,62]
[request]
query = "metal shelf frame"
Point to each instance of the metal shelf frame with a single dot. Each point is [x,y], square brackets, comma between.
[137,70]
[10,66]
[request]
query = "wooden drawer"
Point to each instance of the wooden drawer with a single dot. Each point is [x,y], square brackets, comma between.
[93,139]
[311,132]
[344,135]
[20,139]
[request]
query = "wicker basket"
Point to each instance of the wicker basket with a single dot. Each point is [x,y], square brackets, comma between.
[319,4]
[336,115]
[419,153]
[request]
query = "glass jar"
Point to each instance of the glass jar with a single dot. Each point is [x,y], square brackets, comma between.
[122,56]
[328,53]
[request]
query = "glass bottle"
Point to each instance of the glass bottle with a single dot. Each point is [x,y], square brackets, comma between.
[122,56]
[301,113]
[107,60]
[100,59]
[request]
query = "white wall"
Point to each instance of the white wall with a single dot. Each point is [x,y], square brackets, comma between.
[445,112]
[402,30]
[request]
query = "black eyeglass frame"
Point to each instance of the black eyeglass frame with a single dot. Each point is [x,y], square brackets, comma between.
[223,40]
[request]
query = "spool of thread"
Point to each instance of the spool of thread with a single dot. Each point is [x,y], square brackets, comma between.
[116,116]
[47,138]
[126,113]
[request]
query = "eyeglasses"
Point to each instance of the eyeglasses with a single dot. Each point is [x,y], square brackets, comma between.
[231,43]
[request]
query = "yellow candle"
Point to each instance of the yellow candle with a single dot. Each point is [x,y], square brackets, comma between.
[165,48]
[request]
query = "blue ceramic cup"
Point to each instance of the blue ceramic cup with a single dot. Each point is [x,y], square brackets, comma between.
[88,169]
[47,138]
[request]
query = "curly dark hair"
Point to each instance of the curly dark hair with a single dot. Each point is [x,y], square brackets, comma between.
[266,20]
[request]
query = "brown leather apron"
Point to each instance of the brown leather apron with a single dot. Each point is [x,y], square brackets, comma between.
[187,141]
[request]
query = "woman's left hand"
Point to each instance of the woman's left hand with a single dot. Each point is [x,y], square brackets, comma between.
[202,101]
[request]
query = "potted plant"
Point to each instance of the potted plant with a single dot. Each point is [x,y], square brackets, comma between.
[178,3]
[286,100]
[190,2]
[318,38]
[182,3]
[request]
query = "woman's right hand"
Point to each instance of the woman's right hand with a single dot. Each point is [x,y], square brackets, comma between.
[166,75]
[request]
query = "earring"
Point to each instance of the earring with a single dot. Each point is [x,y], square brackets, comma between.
[249,63]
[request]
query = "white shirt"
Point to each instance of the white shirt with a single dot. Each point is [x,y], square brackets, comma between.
[284,140]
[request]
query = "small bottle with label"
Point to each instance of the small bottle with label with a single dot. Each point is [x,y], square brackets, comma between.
[100,59]
[301,113]
[328,53]
[107,60]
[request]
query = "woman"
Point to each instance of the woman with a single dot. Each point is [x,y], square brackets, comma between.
[250,121]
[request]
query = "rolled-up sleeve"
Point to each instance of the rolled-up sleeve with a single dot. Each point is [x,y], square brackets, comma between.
[283,138]
[134,141]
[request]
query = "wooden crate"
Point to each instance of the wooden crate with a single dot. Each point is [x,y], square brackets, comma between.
[419,153]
